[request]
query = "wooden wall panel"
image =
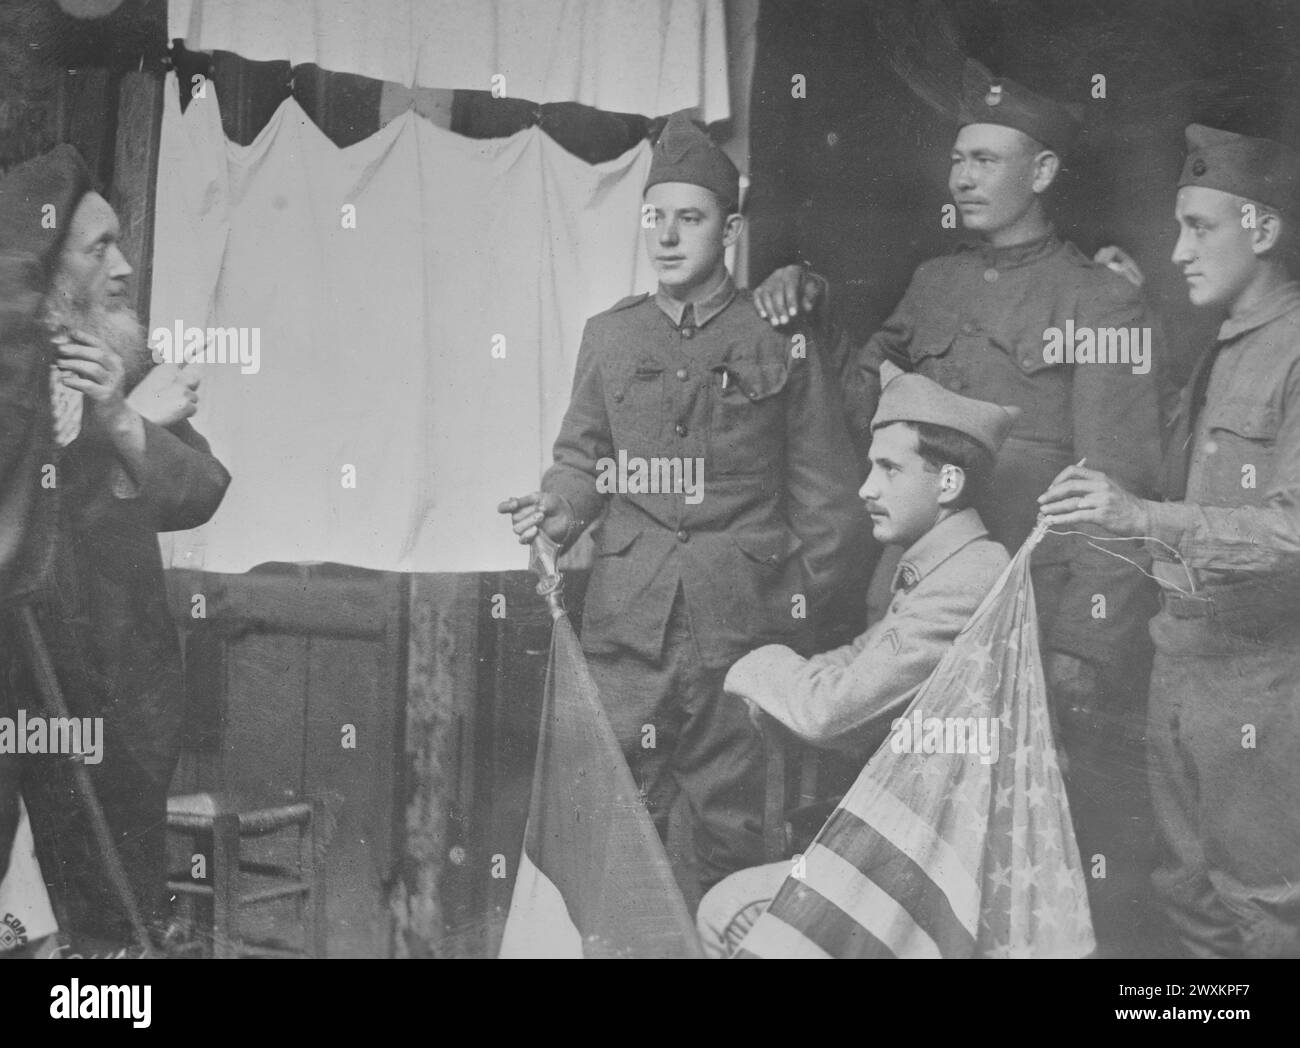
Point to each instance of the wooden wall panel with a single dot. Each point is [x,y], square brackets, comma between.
[290,656]
[265,707]
[354,784]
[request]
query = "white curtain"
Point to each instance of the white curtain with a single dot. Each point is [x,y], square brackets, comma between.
[377,342]
[625,56]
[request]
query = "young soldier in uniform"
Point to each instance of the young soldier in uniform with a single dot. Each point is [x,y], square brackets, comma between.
[1224,729]
[978,322]
[686,578]
[931,453]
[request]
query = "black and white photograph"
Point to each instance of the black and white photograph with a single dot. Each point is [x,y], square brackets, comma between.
[651,479]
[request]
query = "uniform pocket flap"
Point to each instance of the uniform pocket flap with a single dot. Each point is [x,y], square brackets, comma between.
[920,350]
[1250,420]
[1027,353]
[767,547]
[759,379]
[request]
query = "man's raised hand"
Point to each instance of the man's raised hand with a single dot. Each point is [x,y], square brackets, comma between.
[92,368]
[538,509]
[167,394]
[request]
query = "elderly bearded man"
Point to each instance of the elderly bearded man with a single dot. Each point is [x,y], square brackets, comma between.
[126,467]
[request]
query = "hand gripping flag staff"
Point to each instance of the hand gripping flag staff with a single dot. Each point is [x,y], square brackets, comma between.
[594,879]
[955,840]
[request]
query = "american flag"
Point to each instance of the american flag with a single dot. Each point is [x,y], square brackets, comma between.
[936,853]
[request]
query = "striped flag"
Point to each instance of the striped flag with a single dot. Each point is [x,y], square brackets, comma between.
[955,840]
[594,880]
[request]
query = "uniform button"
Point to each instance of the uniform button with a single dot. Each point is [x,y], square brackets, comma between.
[1028,362]
[618,398]
[682,374]
[683,535]
[688,332]
[680,429]
[968,329]
[752,395]
[990,275]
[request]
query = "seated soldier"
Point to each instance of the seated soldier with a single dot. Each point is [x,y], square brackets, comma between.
[931,452]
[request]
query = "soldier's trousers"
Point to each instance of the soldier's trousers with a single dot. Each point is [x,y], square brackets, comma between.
[1223,737]
[691,746]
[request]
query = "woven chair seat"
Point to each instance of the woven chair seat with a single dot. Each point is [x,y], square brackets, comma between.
[197,811]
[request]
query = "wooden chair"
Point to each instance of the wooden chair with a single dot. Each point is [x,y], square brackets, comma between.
[223,822]
[803,786]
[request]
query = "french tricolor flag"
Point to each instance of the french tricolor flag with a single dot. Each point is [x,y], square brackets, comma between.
[594,879]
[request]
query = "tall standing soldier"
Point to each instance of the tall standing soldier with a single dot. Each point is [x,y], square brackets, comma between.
[685,582]
[1224,731]
[977,322]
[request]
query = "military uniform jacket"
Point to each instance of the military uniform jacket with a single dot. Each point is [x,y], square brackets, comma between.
[845,697]
[777,506]
[1238,532]
[975,322]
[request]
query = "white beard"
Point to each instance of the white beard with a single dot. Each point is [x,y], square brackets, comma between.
[119,328]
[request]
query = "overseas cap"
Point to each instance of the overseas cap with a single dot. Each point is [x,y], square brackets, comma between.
[59,177]
[1257,168]
[986,99]
[908,397]
[684,153]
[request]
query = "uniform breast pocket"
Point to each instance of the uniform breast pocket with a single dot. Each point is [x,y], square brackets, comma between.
[931,356]
[747,428]
[635,401]
[1241,444]
[947,361]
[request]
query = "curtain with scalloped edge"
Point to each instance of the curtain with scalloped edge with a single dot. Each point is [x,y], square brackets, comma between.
[416,301]
[623,56]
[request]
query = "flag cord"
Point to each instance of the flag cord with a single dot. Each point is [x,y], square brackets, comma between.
[1190,593]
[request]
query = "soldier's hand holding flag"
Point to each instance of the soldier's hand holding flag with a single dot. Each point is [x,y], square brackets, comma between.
[1086,496]
[539,509]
